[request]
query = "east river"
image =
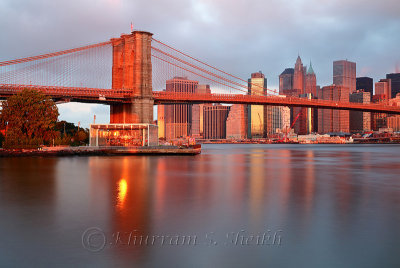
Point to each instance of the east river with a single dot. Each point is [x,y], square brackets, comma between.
[231,206]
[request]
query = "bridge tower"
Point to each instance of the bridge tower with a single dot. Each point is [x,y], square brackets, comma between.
[132,70]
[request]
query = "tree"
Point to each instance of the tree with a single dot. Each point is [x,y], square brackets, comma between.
[1,139]
[29,118]
[69,134]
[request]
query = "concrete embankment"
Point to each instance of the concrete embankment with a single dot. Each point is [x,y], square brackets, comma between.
[102,151]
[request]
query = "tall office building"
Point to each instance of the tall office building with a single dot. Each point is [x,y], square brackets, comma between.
[311,81]
[277,119]
[344,74]
[365,84]
[197,112]
[286,81]
[383,89]
[394,83]
[236,123]
[256,113]
[378,120]
[161,121]
[360,121]
[178,117]
[299,74]
[305,122]
[393,121]
[215,121]
[333,120]
[284,116]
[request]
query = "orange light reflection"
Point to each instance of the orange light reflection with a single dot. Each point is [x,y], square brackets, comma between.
[122,190]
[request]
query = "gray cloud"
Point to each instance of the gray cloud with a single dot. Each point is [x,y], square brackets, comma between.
[238,36]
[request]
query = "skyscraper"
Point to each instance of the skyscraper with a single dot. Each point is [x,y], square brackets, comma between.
[256,113]
[161,120]
[378,120]
[305,122]
[360,121]
[344,74]
[215,121]
[286,81]
[333,120]
[366,84]
[393,121]
[298,78]
[394,83]
[383,89]
[178,117]
[277,119]
[197,112]
[236,123]
[311,81]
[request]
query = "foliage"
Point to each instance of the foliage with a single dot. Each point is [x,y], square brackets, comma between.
[29,118]
[69,134]
[1,139]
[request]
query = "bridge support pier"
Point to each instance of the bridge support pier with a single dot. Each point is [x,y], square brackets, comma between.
[132,70]
[139,111]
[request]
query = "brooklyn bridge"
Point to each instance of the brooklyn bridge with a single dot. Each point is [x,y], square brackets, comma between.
[129,74]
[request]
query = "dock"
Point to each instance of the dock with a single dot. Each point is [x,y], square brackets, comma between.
[102,151]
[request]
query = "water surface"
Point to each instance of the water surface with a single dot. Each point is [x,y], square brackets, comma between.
[236,206]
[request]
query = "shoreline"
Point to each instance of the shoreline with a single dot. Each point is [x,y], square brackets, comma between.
[302,143]
[96,151]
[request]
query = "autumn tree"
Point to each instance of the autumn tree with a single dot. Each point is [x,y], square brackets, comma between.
[1,139]
[69,134]
[29,118]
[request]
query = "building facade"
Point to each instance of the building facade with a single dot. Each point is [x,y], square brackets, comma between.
[344,74]
[299,76]
[178,117]
[215,118]
[236,123]
[257,113]
[393,121]
[378,120]
[305,122]
[286,81]
[394,83]
[360,121]
[365,84]
[383,89]
[311,82]
[277,119]
[161,121]
[197,113]
[333,121]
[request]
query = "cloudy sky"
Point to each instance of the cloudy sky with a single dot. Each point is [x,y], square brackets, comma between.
[239,36]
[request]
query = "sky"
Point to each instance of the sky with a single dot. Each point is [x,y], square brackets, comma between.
[238,36]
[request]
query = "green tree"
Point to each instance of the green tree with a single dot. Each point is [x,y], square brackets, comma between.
[29,118]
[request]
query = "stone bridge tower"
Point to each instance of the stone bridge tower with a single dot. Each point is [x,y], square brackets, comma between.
[132,70]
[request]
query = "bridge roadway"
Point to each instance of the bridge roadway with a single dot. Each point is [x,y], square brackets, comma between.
[110,96]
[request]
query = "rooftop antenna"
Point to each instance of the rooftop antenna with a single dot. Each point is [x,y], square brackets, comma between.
[131,26]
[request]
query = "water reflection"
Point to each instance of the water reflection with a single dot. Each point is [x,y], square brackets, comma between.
[333,204]
[122,186]
[122,189]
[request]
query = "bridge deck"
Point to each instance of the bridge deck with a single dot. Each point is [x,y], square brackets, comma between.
[109,96]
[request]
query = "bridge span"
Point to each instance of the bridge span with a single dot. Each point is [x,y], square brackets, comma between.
[111,96]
